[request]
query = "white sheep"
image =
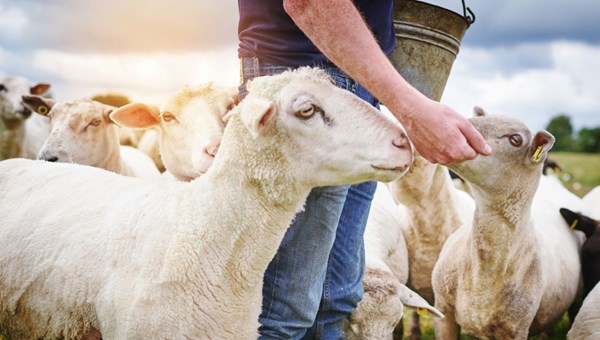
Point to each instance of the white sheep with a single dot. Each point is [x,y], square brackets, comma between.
[84,249]
[586,325]
[191,124]
[386,272]
[592,203]
[506,275]
[20,134]
[83,133]
[409,222]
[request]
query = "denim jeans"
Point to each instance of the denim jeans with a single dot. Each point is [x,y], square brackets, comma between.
[314,281]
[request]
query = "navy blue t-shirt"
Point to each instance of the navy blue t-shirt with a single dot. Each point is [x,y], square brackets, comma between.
[267,32]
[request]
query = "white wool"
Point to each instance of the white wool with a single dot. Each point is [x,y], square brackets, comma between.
[587,322]
[592,203]
[407,227]
[83,249]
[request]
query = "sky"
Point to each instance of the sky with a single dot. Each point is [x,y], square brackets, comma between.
[531,59]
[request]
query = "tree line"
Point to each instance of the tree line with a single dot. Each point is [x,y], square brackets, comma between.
[585,140]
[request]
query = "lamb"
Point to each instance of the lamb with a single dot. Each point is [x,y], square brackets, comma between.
[590,250]
[83,133]
[136,258]
[191,124]
[506,275]
[409,223]
[20,136]
[386,273]
[586,325]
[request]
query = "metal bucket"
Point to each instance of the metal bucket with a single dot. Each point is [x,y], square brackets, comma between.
[427,42]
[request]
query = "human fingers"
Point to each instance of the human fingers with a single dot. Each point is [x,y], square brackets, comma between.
[475,139]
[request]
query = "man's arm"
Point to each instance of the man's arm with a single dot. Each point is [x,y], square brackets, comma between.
[439,133]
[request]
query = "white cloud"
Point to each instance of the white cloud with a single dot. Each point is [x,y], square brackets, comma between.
[12,21]
[140,76]
[567,84]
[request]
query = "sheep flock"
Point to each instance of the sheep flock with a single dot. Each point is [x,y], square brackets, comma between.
[168,237]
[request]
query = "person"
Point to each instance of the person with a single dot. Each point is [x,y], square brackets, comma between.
[314,281]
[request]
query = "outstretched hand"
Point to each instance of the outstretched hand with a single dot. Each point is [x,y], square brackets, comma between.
[442,135]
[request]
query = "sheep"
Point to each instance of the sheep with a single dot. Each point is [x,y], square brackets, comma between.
[149,145]
[428,209]
[590,250]
[137,258]
[20,136]
[586,325]
[83,133]
[592,203]
[386,272]
[191,124]
[505,275]
[435,210]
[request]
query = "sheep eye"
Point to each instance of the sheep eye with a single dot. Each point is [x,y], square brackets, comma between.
[516,140]
[307,113]
[167,116]
[230,106]
[96,122]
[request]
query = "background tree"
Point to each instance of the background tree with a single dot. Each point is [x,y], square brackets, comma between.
[561,128]
[588,140]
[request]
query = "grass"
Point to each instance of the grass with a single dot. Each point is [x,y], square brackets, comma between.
[558,332]
[581,171]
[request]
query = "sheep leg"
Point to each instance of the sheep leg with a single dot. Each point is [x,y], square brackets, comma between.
[399,331]
[446,328]
[414,327]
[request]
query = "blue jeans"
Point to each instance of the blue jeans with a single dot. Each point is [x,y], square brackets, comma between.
[314,281]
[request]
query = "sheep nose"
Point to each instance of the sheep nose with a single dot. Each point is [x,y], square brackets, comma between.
[212,150]
[212,147]
[51,159]
[401,142]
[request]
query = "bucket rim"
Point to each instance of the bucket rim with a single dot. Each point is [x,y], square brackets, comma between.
[463,17]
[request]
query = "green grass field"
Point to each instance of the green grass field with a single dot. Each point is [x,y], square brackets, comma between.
[581,173]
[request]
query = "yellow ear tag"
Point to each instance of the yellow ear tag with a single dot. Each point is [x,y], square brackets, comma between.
[42,110]
[573,224]
[421,311]
[536,154]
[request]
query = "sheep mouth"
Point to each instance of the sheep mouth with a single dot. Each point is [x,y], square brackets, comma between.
[388,168]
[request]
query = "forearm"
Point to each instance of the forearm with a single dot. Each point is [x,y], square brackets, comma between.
[439,133]
[351,46]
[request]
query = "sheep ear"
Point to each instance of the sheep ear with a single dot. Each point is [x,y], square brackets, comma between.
[414,300]
[577,221]
[38,104]
[541,144]
[255,113]
[478,112]
[39,88]
[136,116]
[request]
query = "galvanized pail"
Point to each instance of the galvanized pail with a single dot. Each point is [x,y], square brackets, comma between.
[427,42]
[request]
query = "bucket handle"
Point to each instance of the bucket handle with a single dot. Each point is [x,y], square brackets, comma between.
[470,18]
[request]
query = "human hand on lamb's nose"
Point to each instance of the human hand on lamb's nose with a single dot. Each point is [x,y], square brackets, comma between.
[442,135]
